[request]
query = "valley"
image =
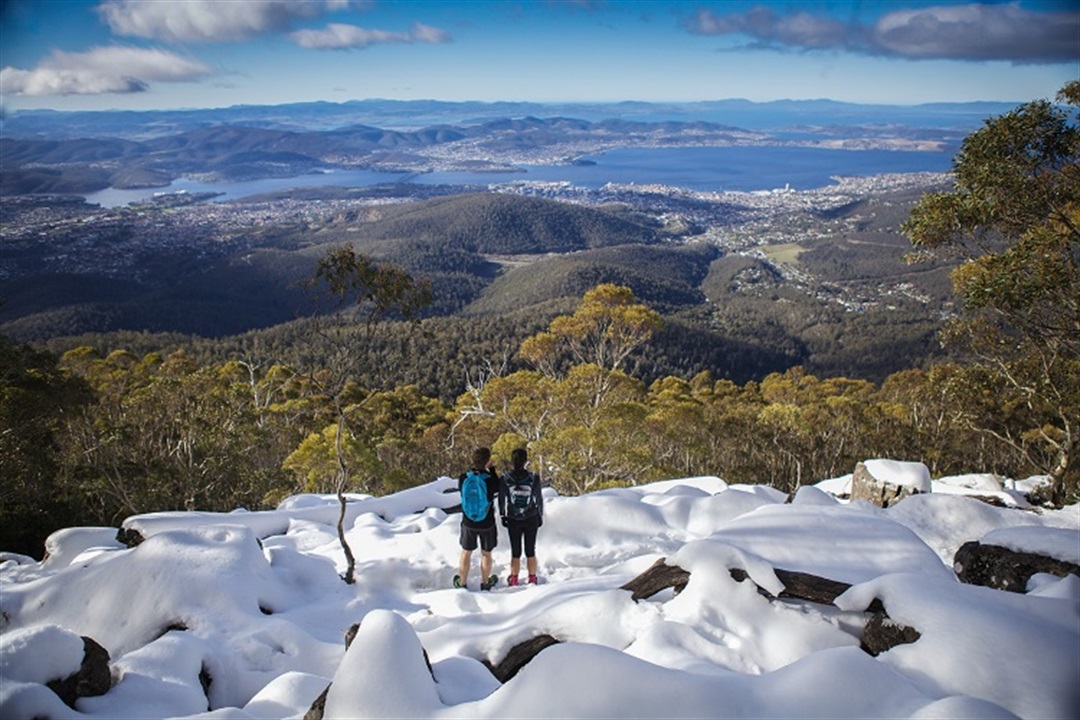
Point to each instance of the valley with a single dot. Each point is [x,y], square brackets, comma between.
[787,277]
[766,244]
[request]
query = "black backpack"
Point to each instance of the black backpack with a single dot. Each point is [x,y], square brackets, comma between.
[520,501]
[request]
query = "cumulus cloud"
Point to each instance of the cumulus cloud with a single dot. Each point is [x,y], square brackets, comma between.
[209,20]
[100,70]
[981,32]
[959,32]
[339,36]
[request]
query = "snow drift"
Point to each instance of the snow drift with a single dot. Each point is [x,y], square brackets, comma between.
[243,615]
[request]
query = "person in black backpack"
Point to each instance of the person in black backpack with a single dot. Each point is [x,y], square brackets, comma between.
[521,507]
[479,488]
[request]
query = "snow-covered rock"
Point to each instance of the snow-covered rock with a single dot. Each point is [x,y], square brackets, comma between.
[885,482]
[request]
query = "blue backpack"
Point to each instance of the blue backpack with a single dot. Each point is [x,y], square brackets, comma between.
[474,496]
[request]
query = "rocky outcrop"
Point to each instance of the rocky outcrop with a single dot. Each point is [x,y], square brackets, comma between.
[1004,569]
[879,488]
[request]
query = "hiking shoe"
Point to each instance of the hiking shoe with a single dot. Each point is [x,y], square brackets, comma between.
[512,581]
[490,582]
[457,582]
[532,579]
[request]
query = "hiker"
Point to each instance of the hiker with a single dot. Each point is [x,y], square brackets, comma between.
[478,487]
[521,507]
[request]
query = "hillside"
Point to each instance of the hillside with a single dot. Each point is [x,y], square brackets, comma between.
[827,288]
[244,614]
[494,223]
[664,277]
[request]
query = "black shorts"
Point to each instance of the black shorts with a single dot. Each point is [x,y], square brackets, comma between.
[488,537]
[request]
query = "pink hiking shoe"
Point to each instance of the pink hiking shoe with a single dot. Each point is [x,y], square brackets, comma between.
[532,579]
[512,581]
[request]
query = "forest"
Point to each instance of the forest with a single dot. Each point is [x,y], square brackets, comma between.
[93,438]
[89,436]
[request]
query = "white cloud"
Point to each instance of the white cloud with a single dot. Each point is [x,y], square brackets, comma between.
[429,34]
[339,36]
[980,32]
[977,31]
[208,20]
[800,29]
[100,70]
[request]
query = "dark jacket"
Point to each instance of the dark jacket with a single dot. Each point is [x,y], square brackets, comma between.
[491,479]
[515,477]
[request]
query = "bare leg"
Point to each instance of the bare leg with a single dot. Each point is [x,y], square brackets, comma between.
[530,562]
[463,566]
[515,566]
[485,566]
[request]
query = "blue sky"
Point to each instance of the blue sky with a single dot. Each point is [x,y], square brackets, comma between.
[144,54]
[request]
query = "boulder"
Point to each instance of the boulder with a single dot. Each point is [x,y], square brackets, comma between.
[129,537]
[1003,569]
[882,633]
[91,679]
[886,482]
[318,708]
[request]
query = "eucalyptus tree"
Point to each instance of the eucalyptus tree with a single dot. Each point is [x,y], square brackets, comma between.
[1014,215]
[356,296]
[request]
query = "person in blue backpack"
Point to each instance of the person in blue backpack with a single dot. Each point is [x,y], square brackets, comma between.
[521,507]
[478,487]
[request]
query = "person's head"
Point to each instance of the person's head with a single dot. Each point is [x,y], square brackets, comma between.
[481,457]
[518,458]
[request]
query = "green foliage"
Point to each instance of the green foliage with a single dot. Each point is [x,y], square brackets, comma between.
[315,462]
[36,396]
[1015,215]
[605,329]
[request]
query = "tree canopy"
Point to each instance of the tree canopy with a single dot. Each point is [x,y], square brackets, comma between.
[1014,214]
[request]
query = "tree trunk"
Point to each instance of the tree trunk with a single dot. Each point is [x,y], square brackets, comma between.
[1059,473]
[343,477]
[350,570]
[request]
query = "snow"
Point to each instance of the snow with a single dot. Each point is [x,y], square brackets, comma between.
[912,475]
[1052,542]
[253,602]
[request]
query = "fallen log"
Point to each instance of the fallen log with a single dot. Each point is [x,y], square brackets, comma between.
[659,576]
[519,656]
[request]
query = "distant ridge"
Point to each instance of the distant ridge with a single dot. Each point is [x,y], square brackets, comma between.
[415,114]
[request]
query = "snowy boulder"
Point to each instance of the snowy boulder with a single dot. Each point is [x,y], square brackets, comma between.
[1007,559]
[384,673]
[93,677]
[886,482]
[71,545]
[71,666]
